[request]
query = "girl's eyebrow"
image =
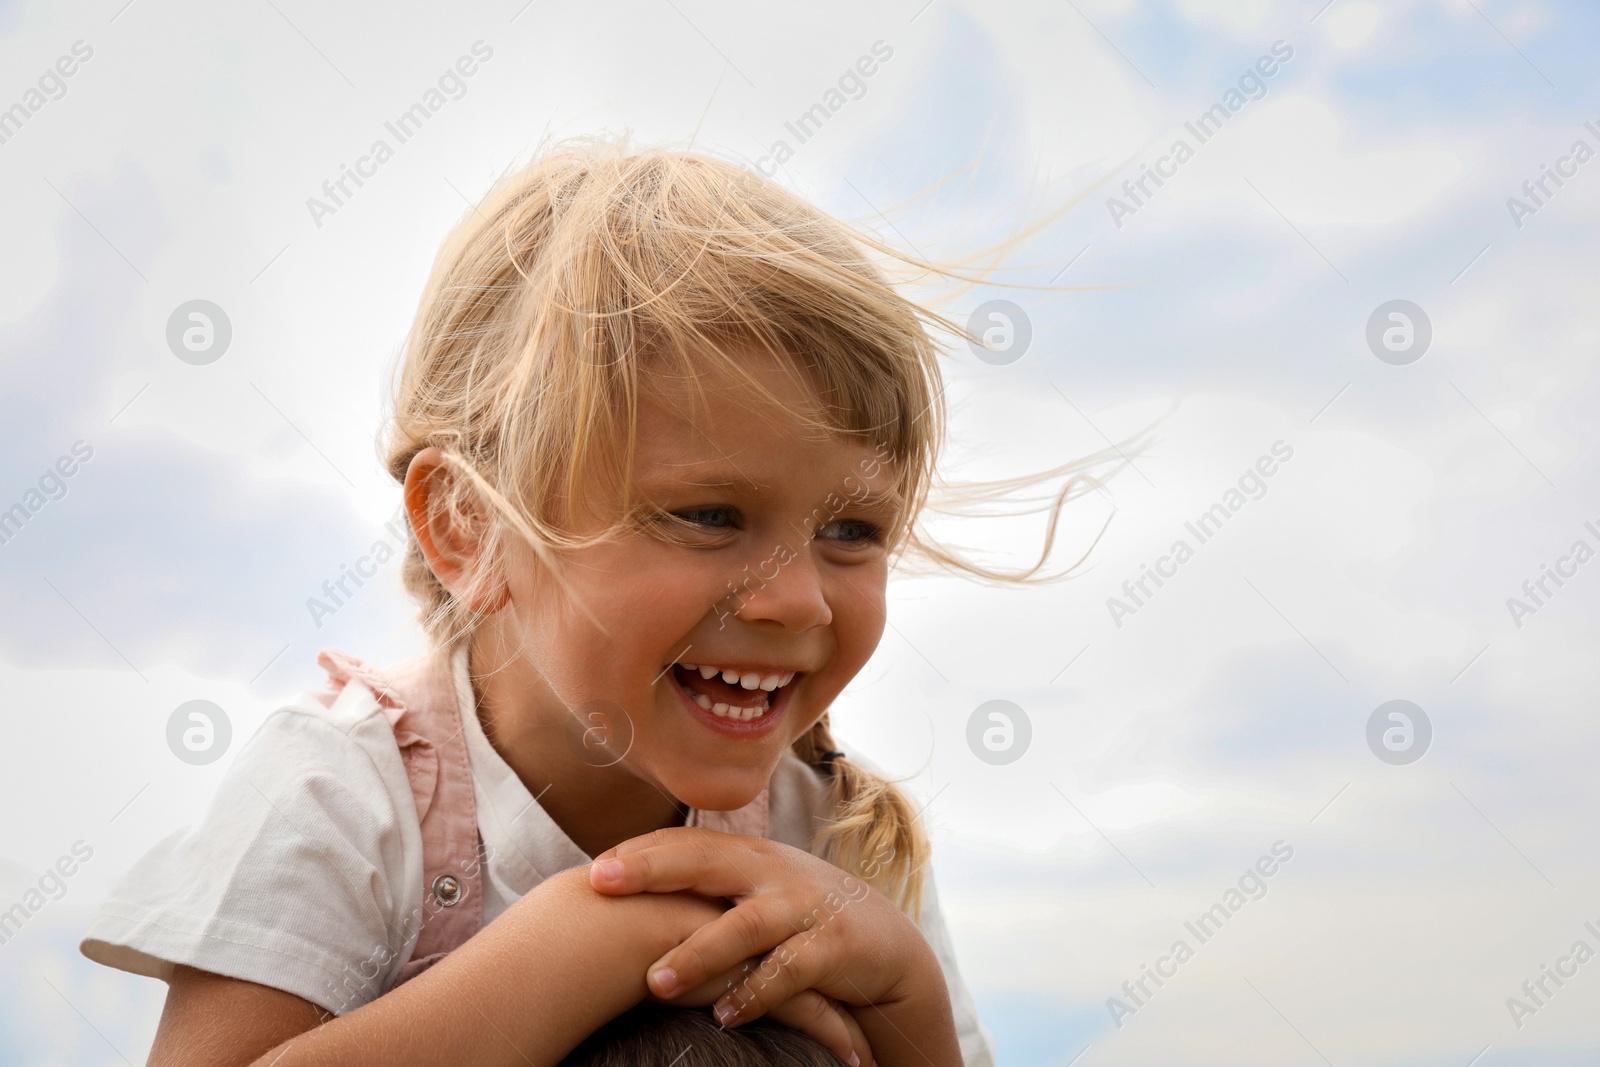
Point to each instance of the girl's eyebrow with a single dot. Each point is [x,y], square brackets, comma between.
[705,476]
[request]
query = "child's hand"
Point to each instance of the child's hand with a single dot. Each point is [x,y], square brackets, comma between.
[823,1020]
[828,1024]
[819,927]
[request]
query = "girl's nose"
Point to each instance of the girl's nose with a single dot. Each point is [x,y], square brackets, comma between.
[785,589]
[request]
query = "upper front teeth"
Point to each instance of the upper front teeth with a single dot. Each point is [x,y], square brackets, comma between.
[746,680]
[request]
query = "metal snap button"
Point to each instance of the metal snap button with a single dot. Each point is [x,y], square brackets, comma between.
[447,890]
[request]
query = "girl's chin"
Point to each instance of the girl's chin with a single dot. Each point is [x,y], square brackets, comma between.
[725,789]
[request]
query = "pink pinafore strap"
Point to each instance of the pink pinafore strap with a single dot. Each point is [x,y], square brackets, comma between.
[420,702]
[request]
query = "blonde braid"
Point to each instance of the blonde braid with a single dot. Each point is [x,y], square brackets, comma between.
[875,833]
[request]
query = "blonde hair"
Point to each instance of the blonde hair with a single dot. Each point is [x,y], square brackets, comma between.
[591,268]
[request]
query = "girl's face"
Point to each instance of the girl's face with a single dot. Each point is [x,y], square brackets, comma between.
[695,660]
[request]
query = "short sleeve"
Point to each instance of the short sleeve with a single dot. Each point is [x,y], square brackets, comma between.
[296,876]
[977,1044]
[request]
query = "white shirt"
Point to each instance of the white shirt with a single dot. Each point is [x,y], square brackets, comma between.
[310,853]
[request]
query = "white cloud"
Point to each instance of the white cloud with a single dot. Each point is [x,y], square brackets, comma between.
[1240,16]
[1313,164]
[1350,23]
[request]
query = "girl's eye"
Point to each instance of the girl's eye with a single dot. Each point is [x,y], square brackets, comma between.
[850,531]
[711,518]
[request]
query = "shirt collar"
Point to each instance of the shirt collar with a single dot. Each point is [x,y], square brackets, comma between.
[528,846]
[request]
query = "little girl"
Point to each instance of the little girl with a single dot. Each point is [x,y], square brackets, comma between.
[661,427]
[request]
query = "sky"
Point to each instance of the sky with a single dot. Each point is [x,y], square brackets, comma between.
[1381,511]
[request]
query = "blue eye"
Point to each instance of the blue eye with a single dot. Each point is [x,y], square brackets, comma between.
[714,518]
[850,531]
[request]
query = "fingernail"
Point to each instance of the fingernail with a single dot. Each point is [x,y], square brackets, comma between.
[855,1061]
[609,870]
[666,980]
[726,1013]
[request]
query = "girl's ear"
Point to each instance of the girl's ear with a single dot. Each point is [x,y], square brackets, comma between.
[454,552]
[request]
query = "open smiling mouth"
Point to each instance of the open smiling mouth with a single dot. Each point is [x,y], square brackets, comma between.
[736,694]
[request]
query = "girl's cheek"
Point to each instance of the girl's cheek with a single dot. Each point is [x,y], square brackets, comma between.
[861,640]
